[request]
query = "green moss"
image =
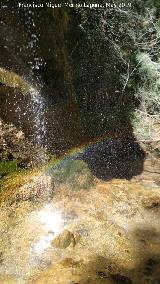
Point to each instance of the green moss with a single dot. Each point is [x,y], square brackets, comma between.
[7,167]
[13,177]
[10,183]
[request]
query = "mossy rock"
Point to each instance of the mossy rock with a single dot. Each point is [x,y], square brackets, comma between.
[13,80]
[7,167]
[64,240]
[74,173]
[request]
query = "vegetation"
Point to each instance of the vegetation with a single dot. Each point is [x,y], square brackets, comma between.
[128,76]
[147,119]
[7,167]
[98,68]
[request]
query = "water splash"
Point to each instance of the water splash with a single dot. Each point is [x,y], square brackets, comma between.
[37,109]
[53,223]
[37,103]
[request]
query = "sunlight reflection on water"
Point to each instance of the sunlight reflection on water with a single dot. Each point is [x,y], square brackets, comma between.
[53,223]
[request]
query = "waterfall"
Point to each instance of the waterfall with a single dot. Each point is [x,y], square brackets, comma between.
[36,107]
[37,110]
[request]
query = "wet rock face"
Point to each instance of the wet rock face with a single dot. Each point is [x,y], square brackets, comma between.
[28,51]
[41,188]
[105,235]
[15,101]
[48,46]
[11,79]
[14,146]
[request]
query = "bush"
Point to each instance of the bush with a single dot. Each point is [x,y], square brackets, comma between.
[149,88]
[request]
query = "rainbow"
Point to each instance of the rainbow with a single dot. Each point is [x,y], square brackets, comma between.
[80,149]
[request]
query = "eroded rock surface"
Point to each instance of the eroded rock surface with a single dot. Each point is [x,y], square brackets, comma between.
[108,234]
[15,146]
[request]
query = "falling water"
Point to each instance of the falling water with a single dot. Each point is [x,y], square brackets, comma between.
[37,110]
[36,105]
